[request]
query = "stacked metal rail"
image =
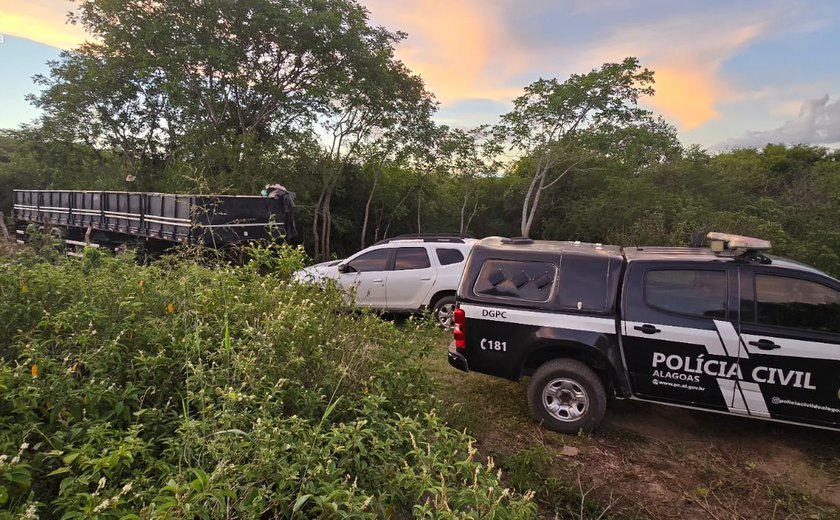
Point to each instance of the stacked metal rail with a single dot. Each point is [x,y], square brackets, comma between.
[213,220]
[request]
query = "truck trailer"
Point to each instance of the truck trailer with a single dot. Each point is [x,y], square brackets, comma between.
[152,221]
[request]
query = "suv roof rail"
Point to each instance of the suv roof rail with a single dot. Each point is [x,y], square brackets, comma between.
[455,238]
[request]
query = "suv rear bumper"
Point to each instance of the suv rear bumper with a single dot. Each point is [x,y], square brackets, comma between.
[456,359]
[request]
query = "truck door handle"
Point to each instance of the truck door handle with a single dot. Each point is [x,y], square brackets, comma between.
[425,278]
[765,344]
[647,329]
[378,280]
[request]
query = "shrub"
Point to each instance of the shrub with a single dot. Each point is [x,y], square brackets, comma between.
[177,390]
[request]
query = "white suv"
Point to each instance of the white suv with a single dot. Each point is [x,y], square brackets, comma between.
[407,273]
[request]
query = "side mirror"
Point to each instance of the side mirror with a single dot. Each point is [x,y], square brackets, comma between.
[342,268]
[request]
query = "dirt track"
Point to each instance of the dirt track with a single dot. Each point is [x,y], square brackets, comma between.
[684,463]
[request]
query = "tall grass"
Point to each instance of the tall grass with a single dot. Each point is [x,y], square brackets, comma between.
[179,390]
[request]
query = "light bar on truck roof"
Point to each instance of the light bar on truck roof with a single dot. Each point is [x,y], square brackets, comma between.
[718,242]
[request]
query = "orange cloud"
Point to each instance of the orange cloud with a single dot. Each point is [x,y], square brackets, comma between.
[43,21]
[686,94]
[688,83]
[690,89]
[464,49]
[454,45]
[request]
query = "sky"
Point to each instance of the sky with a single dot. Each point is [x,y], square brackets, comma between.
[728,74]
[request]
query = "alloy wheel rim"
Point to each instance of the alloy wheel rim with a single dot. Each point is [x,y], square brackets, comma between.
[565,399]
[446,315]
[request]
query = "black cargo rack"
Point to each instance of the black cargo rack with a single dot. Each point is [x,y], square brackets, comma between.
[211,220]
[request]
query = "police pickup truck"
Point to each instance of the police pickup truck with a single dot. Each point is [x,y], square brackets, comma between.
[725,328]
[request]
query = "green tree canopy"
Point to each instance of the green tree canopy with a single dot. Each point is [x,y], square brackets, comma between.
[215,82]
[556,123]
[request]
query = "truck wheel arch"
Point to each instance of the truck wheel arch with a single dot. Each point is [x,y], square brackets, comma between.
[586,354]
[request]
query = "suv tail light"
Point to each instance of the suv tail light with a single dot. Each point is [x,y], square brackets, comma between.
[460,328]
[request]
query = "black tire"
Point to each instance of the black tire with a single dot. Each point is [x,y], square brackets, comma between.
[443,312]
[583,402]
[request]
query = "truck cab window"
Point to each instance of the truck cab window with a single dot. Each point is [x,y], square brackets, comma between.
[687,291]
[793,302]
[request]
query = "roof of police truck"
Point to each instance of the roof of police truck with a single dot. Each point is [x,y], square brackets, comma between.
[505,246]
[704,254]
[508,247]
[696,254]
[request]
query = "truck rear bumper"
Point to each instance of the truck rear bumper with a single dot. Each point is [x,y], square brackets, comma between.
[456,359]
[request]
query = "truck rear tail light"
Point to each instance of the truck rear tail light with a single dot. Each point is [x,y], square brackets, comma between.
[460,329]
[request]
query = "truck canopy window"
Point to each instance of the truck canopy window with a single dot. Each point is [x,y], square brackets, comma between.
[687,291]
[516,279]
[583,282]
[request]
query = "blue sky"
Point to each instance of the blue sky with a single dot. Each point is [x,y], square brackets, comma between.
[728,73]
[20,59]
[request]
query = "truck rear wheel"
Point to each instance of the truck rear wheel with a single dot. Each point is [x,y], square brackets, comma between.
[567,396]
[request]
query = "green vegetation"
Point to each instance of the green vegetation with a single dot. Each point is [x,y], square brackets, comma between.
[178,390]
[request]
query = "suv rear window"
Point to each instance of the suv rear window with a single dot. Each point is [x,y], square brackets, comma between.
[693,292]
[449,256]
[516,279]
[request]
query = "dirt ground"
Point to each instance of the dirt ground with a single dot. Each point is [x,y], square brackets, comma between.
[655,461]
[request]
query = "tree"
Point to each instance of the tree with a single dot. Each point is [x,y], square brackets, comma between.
[637,146]
[370,119]
[466,155]
[28,161]
[212,84]
[107,104]
[551,122]
[405,141]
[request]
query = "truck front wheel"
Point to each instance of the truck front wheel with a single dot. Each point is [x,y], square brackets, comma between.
[567,396]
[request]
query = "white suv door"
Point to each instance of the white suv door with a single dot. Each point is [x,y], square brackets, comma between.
[411,280]
[366,275]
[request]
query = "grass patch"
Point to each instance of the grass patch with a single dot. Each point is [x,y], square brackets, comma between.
[474,401]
